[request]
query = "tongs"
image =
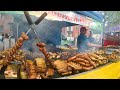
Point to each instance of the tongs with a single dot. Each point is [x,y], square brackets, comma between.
[32,27]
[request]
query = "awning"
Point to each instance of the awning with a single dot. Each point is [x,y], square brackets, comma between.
[73,17]
[63,16]
[92,14]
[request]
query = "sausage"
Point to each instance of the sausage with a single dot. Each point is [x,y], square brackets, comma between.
[82,63]
[80,59]
[94,55]
[21,39]
[91,62]
[44,51]
[87,68]
[18,41]
[17,45]
[41,49]
[26,37]
[71,58]
[78,55]
[13,50]
[11,53]
[41,44]
[75,66]
[20,44]
[87,57]
[23,35]
[87,65]
[93,58]
[67,73]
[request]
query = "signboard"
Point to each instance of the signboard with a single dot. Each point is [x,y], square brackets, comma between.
[68,16]
[74,18]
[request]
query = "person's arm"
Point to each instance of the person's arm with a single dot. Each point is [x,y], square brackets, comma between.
[94,45]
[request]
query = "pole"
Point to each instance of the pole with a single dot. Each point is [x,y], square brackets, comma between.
[103,30]
[17,29]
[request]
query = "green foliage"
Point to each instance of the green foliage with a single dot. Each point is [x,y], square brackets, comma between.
[97,29]
[112,17]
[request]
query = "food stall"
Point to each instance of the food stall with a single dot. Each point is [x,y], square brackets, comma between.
[16,63]
[112,36]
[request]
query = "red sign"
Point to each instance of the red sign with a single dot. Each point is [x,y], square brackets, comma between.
[75,18]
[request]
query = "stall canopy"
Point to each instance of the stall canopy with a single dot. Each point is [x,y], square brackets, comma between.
[92,14]
[38,13]
[53,23]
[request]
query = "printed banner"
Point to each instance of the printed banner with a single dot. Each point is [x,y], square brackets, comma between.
[68,16]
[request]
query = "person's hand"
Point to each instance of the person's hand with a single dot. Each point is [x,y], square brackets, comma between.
[99,46]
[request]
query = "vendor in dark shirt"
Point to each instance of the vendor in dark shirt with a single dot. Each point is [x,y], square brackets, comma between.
[83,43]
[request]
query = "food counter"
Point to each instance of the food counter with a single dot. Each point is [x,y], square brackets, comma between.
[69,65]
[108,71]
[14,63]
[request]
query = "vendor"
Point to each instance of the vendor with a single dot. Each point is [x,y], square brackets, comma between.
[91,38]
[1,37]
[64,42]
[83,43]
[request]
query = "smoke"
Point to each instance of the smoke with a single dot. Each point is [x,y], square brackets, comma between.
[48,31]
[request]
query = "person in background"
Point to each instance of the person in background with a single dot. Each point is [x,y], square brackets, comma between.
[64,41]
[83,43]
[91,38]
[2,37]
[6,35]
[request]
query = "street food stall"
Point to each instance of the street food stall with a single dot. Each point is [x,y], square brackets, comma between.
[38,53]
[112,36]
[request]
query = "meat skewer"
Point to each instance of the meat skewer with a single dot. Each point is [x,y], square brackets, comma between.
[10,52]
[46,54]
[18,44]
[57,64]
